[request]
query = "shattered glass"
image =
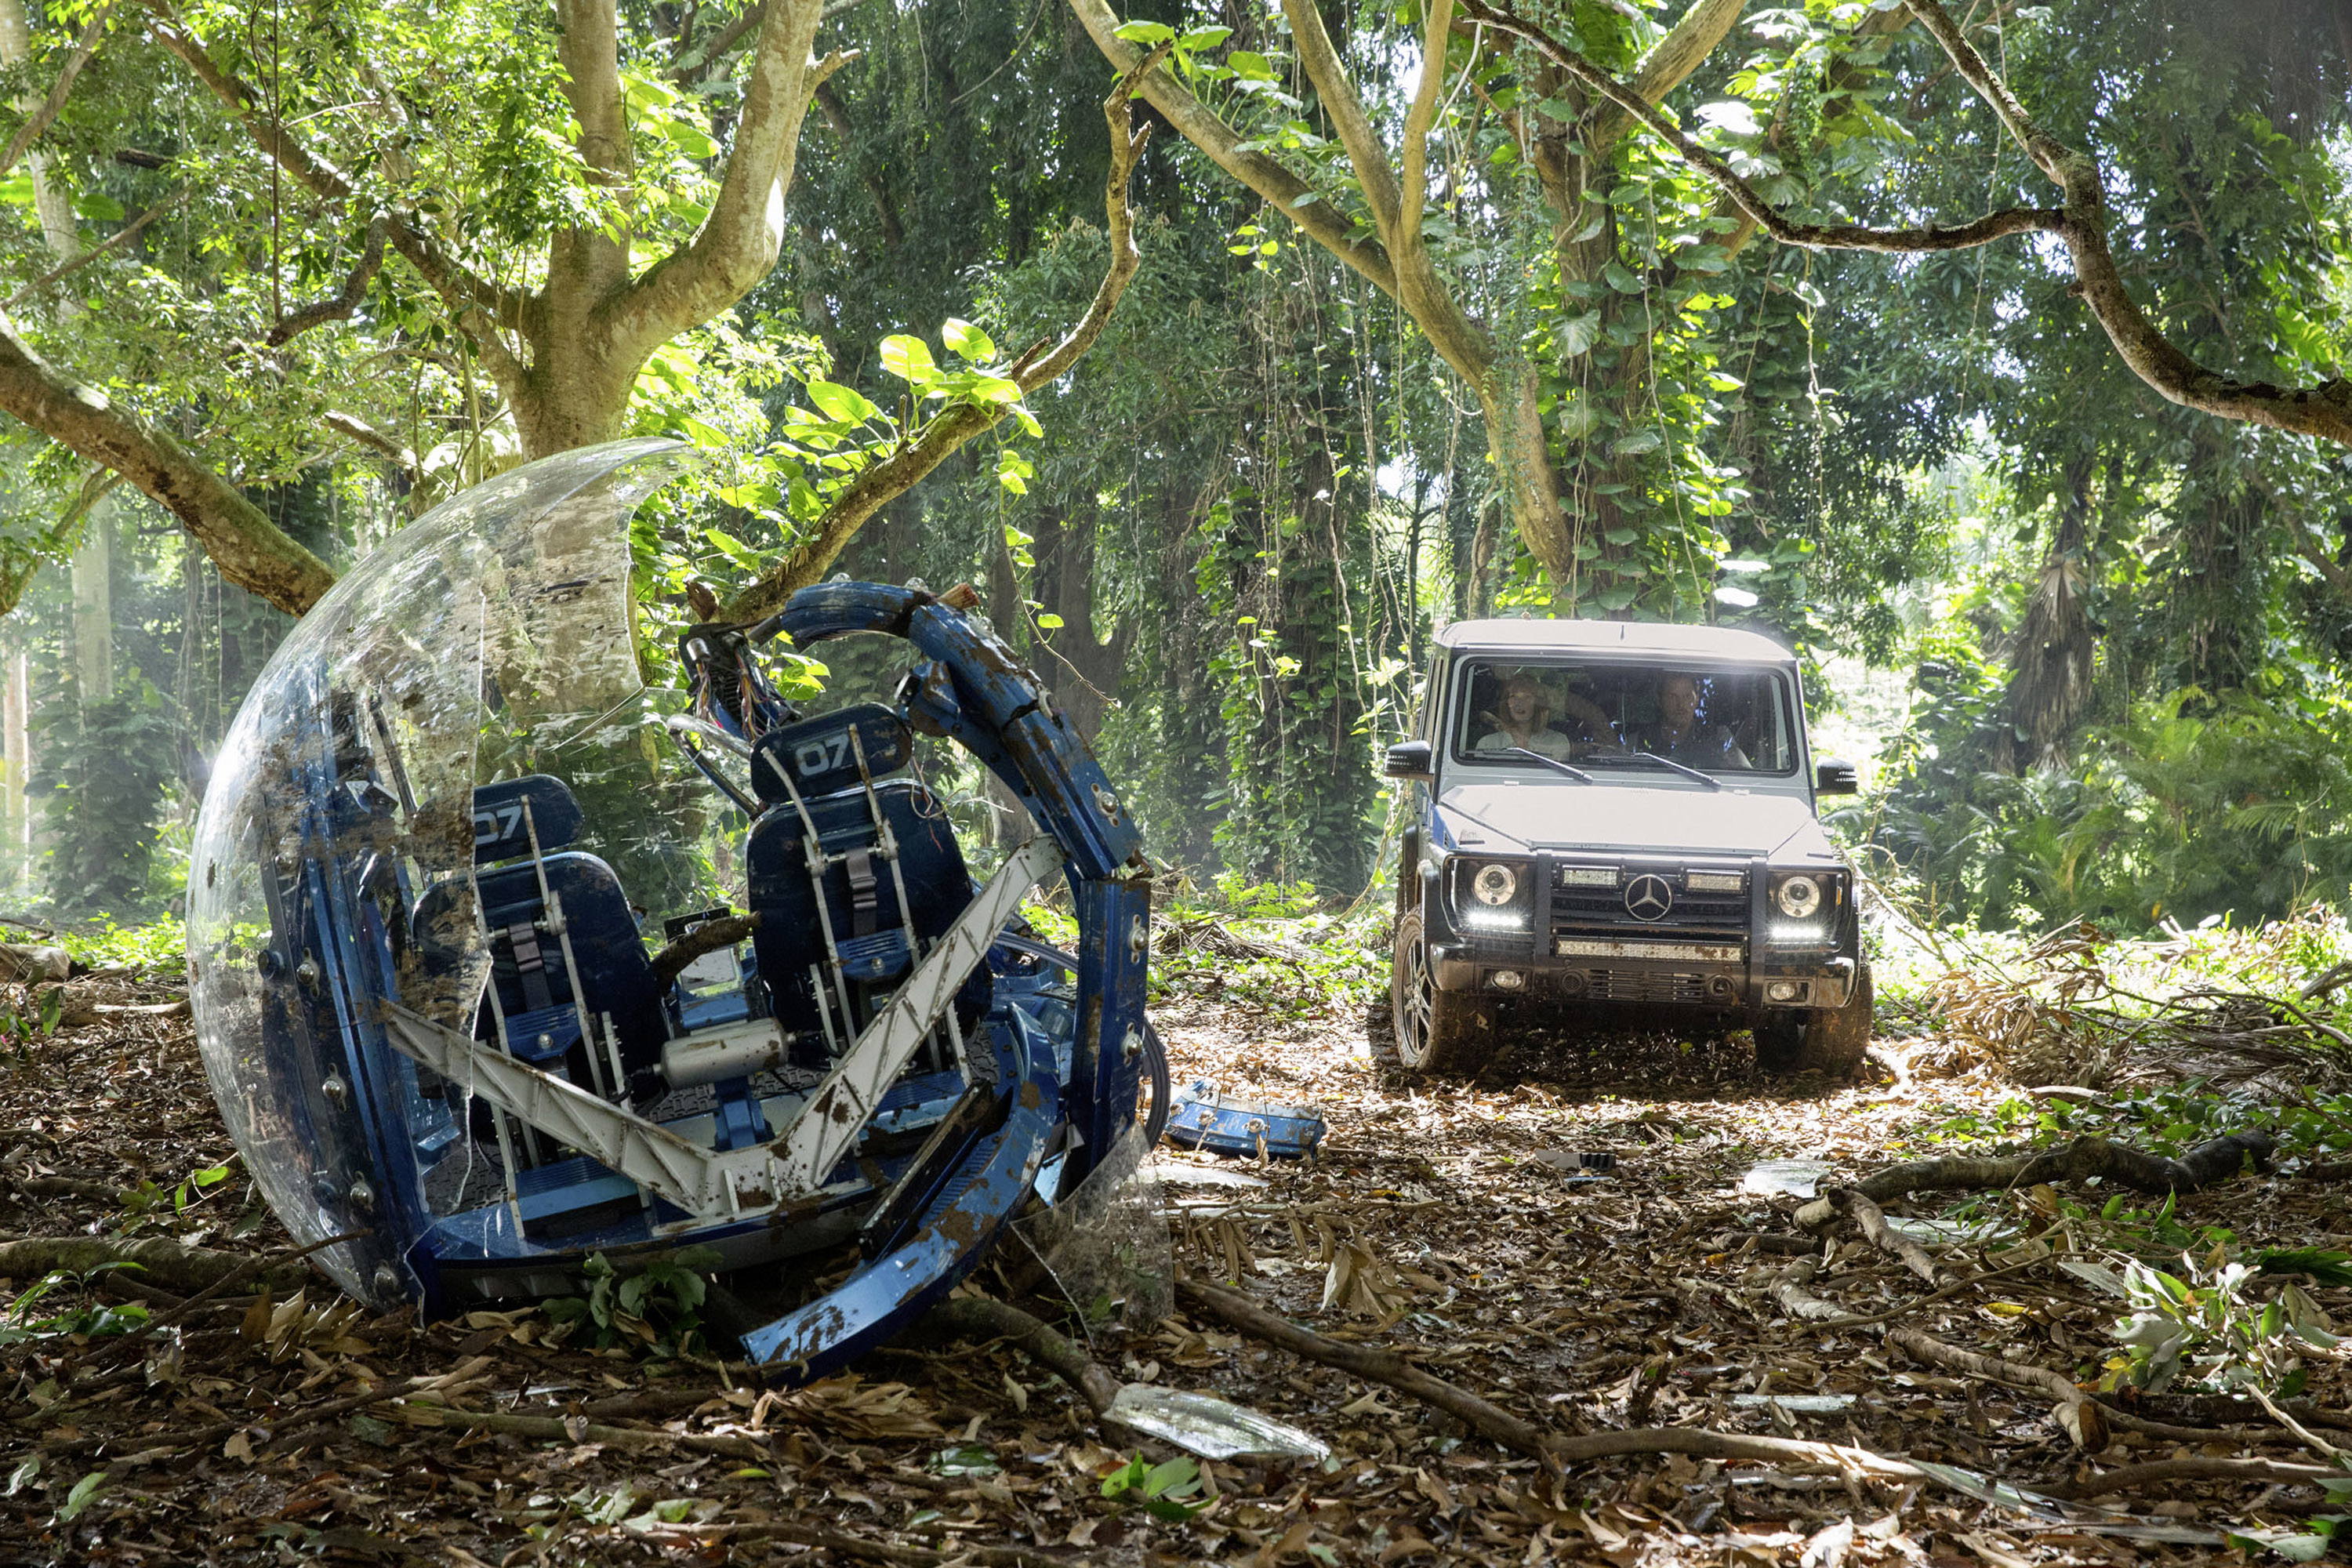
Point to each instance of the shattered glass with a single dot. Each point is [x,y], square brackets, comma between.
[1106,1242]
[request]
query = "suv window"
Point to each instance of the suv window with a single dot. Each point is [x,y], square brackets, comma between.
[1597,714]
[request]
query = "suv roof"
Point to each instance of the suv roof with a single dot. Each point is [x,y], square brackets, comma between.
[1541,636]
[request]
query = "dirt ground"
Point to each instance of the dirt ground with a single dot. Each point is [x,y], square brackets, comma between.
[1443,1221]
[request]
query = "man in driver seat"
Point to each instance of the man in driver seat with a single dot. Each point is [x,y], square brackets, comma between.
[1681,734]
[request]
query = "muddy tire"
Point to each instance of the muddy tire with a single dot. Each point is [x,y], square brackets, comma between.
[1448,1033]
[1826,1040]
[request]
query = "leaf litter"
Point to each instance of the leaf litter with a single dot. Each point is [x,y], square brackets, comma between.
[271,1425]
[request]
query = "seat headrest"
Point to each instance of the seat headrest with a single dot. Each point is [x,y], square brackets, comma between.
[499,830]
[820,757]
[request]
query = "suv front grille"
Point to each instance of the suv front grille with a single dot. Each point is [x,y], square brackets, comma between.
[1645,985]
[1594,921]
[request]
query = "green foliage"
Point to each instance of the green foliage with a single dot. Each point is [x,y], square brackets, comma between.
[157,947]
[2208,1327]
[149,1206]
[655,1309]
[21,1029]
[1167,1491]
[87,1319]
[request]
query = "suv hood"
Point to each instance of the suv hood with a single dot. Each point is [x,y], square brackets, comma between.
[1615,816]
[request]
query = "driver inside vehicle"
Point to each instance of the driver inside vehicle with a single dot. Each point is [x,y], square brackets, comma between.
[1681,732]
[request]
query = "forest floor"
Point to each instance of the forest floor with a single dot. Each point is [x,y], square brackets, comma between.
[265,1430]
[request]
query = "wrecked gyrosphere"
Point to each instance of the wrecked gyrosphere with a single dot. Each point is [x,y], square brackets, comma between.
[505,959]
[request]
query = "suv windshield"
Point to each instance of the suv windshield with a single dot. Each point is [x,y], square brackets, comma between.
[1608,714]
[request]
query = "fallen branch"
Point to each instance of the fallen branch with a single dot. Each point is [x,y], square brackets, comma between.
[1701,1442]
[577,1429]
[2058,1387]
[1788,1290]
[1872,1221]
[166,1263]
[985,1317]
[1489,1420]
[2165,1472]
[864,1549]
[2082,1417]
[247,1269]
[2326,980]
[1507,1430]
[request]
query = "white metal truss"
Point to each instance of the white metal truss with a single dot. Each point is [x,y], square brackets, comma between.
[710,1183]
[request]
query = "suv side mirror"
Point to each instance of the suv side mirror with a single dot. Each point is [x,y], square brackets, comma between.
[1410,760]
[1834,777]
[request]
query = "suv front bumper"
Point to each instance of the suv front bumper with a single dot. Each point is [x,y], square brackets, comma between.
[1693,975]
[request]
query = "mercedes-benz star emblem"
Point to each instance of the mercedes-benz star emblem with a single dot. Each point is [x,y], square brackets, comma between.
[1648,898]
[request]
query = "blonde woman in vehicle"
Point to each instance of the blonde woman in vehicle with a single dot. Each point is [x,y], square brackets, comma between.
[1522,721]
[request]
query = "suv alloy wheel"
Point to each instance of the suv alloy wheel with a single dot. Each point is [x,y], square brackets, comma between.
[1446,1032]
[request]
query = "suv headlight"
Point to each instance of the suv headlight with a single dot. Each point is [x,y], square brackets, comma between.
[1495,884]
[1492,895]
[1799,896]
[1805,906]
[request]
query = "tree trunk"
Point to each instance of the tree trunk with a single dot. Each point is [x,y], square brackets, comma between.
[93,605]
[1530,485]
[15,769]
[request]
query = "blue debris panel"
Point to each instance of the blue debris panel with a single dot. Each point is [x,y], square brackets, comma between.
[505,960]
[1204,1117]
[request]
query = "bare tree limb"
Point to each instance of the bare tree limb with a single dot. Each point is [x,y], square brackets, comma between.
[338,306]
[1683,48]
[1814,236]
[45,112]
[1037,366]
[2324,410]
[251,551]
[1292,196]
[373,439]
[112,243]
[1346,109]
[1460,341]
[727,36]
[1420,116]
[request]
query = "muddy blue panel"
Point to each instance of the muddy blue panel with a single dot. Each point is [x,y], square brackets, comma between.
[889,1294]
[501,831]
[1106,1057]
[1205,1119]
[821,757]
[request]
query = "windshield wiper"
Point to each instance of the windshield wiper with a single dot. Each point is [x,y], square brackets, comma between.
[1579,774]
[1707,779]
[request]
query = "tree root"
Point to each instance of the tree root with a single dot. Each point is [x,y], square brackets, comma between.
[985,1317]
[2153,1174]
[1872,1221]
